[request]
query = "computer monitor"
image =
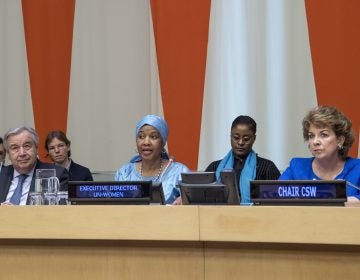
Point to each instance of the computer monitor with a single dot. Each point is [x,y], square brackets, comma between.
[211,192]
[198,177]
[298,192]
[109,192]
[157,194]
[228,177]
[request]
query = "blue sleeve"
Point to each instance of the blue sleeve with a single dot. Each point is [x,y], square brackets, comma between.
[352,177]
[351,190]
[299,169]
[288,174]
[123,173]
[171,179]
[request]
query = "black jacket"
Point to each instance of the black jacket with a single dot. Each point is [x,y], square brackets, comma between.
[78,172]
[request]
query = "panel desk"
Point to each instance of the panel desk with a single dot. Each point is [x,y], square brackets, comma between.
[281,242]
[184,242]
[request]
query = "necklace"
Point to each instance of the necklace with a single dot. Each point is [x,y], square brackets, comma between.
[153,178]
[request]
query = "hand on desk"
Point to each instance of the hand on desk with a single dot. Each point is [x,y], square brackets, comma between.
[6,203]
[352,199]
[177,201]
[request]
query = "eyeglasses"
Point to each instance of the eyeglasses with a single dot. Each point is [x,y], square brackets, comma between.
[14,149]
[60,146]
[244,139]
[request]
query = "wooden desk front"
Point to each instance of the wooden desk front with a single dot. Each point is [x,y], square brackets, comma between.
[187,242]
[281,242]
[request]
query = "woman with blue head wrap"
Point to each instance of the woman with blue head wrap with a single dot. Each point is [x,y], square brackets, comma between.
[152,162]
[160,126]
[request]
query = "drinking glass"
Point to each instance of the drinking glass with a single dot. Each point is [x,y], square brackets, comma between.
[46,188]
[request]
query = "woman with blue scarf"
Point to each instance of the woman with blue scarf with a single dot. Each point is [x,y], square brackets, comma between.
[243,159]
[152,161]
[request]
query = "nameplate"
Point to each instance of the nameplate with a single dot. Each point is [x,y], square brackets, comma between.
[96,190]
[109,191]
[307,191]
[277,191]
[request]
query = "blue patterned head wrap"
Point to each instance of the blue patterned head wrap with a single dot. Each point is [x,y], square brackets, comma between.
[160,125]
[157,122]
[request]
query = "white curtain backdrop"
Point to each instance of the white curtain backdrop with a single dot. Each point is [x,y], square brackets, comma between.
[15,99]
[110,80]
[258,64]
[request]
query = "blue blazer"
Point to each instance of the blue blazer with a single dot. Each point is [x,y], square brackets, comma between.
[301,169]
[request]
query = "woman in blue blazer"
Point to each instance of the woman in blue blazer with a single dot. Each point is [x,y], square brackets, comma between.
[329,136]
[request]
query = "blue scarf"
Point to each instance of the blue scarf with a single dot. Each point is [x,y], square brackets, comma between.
[248,173]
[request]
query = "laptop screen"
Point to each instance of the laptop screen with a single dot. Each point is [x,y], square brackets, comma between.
[109,192]
[298,192]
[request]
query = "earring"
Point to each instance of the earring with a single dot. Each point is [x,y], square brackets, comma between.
[340,147]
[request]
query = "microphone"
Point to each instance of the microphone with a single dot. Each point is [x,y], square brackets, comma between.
[348,183]
[352,185]
[352,200]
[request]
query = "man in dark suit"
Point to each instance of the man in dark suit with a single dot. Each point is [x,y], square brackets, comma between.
[2,153]
[21,144]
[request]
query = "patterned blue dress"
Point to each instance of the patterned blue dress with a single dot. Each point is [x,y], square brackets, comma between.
[169,178]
